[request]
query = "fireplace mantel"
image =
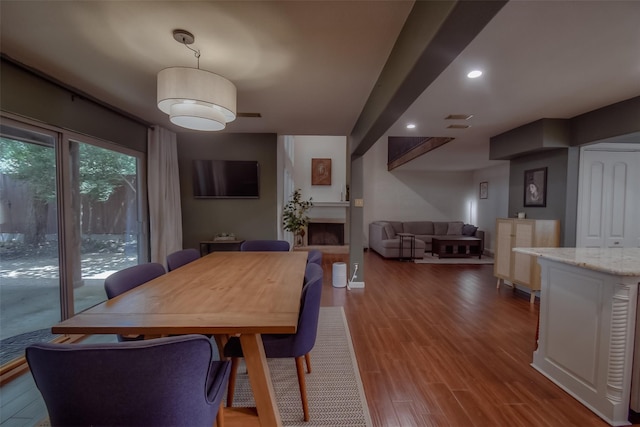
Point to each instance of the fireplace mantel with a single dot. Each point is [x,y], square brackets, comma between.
[331,204]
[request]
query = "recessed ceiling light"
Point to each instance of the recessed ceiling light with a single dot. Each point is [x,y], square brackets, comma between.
[474,74]
[411,126]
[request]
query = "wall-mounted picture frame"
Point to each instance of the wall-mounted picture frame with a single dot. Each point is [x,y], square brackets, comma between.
[484,190]
[535,188]
[320,171]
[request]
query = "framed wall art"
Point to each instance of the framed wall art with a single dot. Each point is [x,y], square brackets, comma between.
[484,190]
[535,187]
[320,171]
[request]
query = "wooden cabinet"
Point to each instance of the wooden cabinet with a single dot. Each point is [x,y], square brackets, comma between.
[519,268]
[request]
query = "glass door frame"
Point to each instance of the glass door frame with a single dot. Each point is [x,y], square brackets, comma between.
[63,138]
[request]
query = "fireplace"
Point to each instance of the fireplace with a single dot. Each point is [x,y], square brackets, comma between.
[325,233]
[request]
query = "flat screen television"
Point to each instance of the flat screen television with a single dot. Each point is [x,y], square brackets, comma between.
[226,179]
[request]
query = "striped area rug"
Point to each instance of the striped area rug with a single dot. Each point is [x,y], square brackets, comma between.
[334,387]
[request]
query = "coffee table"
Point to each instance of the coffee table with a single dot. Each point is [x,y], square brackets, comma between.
[466,247]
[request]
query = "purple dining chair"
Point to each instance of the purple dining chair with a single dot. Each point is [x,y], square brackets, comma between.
[315,256]
[160,382]
[129,278]
[264,246]
[179,258]
[296,345]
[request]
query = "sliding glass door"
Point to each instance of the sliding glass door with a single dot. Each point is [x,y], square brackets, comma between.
[29,238]
[103,235]
[70,215]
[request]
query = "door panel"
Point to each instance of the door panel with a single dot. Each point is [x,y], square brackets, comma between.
[608,202]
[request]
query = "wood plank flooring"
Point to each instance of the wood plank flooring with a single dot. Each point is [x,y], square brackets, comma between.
[438,345]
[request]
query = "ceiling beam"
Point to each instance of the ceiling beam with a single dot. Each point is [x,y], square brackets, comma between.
[434,34]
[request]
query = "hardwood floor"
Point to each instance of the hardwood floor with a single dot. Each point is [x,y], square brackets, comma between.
[438,345]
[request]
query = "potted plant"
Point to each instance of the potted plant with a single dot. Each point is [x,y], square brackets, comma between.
[295,217]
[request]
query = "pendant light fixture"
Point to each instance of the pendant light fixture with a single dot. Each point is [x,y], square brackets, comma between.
[194,98]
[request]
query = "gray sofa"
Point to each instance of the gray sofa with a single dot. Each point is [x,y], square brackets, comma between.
[384,240]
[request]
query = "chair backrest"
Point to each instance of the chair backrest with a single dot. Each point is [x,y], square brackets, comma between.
[264,246]
[128,278]
[180,258]
[304,339]
[315,256]
[159,382]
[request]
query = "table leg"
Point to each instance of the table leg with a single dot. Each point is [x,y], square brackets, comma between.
[260,380]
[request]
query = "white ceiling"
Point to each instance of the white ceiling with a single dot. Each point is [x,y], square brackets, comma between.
[309,66]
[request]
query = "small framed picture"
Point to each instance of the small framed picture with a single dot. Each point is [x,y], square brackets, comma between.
[320,171]
[535,187]
[484,190]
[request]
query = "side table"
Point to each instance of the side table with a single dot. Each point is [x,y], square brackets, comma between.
[411,239]
[208,246]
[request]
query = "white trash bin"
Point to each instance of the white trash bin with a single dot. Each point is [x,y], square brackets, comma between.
[339,274]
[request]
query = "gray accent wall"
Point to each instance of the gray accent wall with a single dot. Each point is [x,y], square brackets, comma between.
[556,163]
[27,94]
[202,219]
[530,147]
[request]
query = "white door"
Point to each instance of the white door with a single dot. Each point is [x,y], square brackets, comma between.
[609,199]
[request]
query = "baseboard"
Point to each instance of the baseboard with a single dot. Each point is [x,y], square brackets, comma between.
[356,285]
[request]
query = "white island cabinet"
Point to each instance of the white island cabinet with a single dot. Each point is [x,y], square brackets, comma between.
[588,328]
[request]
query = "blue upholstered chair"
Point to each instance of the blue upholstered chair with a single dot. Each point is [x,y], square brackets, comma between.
[179,258]
[296,345]
[315,256]
[264,246]
[161,382]
[129,278]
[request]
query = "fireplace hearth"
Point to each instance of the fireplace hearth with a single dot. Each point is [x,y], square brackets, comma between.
[325,233]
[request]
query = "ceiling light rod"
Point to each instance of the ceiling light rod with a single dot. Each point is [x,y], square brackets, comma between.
[186,38]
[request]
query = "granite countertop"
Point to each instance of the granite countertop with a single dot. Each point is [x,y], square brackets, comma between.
[618,261]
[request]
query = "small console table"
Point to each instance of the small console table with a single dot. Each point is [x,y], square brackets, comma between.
[208,246]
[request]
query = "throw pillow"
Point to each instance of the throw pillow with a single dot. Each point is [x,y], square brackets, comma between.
[469,230]
[455,229]
[391,233]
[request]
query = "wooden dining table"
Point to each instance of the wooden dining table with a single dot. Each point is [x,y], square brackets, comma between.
[223,293]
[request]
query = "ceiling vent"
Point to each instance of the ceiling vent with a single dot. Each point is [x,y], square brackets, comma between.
[458,126]
[458,117]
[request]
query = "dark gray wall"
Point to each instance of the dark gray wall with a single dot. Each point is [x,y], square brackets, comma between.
[556,163]
[27,94]
[246,218]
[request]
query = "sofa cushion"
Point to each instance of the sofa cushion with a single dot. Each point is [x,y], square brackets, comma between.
[469,230]
[395,244]
[391,233]
[418,227]
[440,228]
[455,228]
[397,226]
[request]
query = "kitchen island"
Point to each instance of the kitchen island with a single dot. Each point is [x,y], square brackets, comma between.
[588,325]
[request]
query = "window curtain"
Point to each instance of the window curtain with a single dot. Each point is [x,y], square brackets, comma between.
[165,214]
